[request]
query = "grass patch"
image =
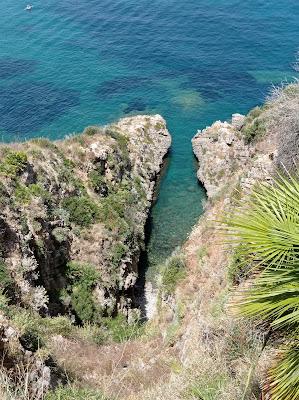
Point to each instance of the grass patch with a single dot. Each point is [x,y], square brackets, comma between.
[71,392]
[206,388]
[91,333]
[120,330]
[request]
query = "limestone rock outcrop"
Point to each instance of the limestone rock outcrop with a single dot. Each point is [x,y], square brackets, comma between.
[249,148]
[73,215]
[221,152]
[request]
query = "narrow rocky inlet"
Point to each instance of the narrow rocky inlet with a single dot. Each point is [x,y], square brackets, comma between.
[72,225]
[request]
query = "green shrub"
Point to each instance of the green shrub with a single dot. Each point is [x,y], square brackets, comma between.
[86,273]
[82,210]
[24,193]
[159,125]
[92,130]
[83,303]
[119,137]
[61,234]
[254,130]
[118,252]
[254,127]
[6,280]
[68,163]
[122,143]
[4,302]
[173,271]
[37,330]
[82,280]
[28,324]
[139,188]
[254,113]
[97,181]
[13,164]
[67,175]
[4,196]
[116,204]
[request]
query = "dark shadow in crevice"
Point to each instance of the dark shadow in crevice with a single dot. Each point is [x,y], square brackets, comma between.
[143,265]
[139,298]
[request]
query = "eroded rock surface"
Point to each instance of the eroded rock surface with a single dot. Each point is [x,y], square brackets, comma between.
[73,215]
[221,152]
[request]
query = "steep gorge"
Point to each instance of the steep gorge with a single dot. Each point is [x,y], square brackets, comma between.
[194,346]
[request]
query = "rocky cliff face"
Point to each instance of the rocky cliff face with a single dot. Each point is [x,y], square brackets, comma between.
[73,215]
[221,152]
[226,160]
[248,148]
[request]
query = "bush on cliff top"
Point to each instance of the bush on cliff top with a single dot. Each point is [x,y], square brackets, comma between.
[254,127]
[13,164]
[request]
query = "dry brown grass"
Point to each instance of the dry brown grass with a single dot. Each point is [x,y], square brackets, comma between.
[282,118]
[23,382]
[118,369]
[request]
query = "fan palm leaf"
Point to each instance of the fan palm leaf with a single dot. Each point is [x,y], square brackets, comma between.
[284,376]
[274,297]
[267,224]
[266,229]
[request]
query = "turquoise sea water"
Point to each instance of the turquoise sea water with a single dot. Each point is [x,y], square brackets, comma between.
[69,64]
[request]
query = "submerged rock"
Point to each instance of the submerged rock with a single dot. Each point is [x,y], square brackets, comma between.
[135,105]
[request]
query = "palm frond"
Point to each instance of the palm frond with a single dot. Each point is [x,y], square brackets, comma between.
[266,229]
[284,376]
[273,297]
[267,224]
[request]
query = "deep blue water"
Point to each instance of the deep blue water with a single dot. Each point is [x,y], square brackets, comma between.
[69,64]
